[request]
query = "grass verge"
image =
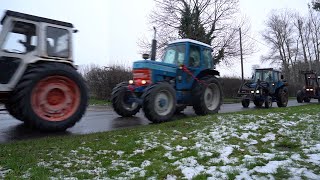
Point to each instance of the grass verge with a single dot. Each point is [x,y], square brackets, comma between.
[259,144]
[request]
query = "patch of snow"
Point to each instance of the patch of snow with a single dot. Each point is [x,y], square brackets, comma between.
[119,153]
[184,138]
[145,163]
[171,177]
[271,167]
[180,148]
[189,167]
[314,158]
[139,151]
[269,137]
[169,155]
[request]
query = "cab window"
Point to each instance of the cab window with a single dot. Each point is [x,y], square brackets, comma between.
[21,38]
[174,55]
[57,42]
[194,56]
[207,58]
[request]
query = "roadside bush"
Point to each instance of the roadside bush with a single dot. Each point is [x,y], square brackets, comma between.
[101,80]
[230,86]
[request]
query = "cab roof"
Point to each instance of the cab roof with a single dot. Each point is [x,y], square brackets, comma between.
[269,69]
[190,41]
[34,18]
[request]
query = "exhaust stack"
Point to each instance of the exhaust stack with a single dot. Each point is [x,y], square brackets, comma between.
[154,46]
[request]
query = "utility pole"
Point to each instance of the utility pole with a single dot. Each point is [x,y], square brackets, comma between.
[241,55]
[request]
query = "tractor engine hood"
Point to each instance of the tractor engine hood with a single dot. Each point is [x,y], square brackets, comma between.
[157,68]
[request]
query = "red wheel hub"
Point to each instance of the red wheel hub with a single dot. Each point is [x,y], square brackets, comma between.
[55,98]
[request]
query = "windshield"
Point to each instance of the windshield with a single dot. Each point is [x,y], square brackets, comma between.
[174,55]
[263,75]
[311,80]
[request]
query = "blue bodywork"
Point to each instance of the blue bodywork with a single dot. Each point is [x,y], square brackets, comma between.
[169,68]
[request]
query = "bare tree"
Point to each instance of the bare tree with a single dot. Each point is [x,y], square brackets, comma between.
[280,35]
[213,22]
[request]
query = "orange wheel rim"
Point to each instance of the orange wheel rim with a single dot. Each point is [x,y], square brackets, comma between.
[55,98]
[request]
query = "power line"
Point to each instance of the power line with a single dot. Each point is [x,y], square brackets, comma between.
[257,41]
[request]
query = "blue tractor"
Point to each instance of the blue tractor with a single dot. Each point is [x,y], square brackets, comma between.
[266,86]
[184,76]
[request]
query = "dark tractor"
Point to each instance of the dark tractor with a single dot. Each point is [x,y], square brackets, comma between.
[39,83]
[265,87]
[184,76]
[311,88]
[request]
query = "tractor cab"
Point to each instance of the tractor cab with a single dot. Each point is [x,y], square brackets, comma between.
[26,39]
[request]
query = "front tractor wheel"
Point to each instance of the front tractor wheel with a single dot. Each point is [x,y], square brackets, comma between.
[159,102]
[50,97]
[283,97]
[122,101]
[245,103]
[207,96]
[268,102]
[300,96]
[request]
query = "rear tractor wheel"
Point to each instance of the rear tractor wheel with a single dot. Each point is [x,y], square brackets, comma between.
[122,101]
[159,102]
[207,97]
[50,97]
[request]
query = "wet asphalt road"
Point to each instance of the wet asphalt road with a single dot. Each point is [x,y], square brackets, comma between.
[97,119]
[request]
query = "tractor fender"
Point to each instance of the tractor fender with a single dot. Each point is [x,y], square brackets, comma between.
[67,62]
[208,72]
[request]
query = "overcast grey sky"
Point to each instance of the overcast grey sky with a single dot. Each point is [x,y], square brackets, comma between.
[109,29]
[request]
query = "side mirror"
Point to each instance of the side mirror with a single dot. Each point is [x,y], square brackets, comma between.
[282,77]
[145,56]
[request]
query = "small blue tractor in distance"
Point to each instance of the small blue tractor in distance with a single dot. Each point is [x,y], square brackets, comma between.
[184,76]
[265,87]
[311,88]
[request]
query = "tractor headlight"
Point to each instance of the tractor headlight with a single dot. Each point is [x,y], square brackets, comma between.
[307,89]
[143,82]
[252,92]
[257,91]
[130,81]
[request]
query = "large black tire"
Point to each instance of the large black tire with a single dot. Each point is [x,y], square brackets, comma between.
[268,102]
[245,103]
[49,97]
[258,103]
[119,98]
[307,99]
[282,97]
[13,110]
[159,102]
[207,97]
[300,96]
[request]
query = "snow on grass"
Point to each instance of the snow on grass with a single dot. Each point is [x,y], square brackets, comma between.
[236,146]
